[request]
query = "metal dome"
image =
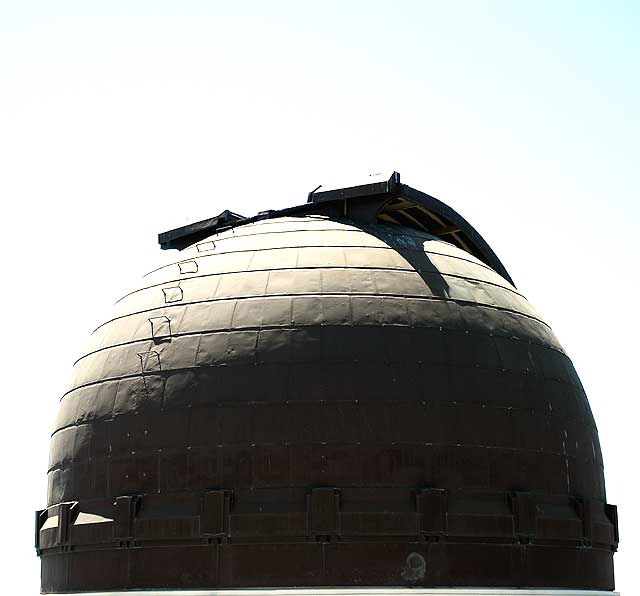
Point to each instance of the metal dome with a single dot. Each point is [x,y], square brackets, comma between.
[323,397]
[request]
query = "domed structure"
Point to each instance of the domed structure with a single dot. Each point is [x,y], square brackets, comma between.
[330,395]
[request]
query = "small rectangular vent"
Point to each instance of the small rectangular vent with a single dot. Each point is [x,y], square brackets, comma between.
[149,361]
[188,267]
[160,328]
[125,511]
[324,511]
[215,508]
[206,246]
[172,294]
[432,507]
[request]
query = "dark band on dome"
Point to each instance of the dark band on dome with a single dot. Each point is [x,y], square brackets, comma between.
[207,534]
[387,201]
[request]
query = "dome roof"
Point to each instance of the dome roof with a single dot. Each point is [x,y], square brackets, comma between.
[317,400]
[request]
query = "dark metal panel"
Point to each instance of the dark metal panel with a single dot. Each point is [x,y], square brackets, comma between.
[611,511]
[54,573]
[92,533]
[193,232]
[392,563]
[124,513]
[105,569]
[268,526]
[189,566]
[259,565]
[170,528]
[495,565]
[271,466]
[324,509]
[215,508]
[432,507]
[205,468]
[40,518]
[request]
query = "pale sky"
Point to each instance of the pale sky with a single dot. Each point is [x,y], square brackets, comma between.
[119,120]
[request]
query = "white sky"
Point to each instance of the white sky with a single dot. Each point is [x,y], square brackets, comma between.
[119,120]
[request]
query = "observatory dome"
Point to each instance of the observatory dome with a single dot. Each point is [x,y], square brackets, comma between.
[320,398]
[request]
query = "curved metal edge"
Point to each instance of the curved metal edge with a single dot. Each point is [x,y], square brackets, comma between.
[446,212]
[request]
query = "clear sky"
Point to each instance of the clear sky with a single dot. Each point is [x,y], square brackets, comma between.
[119,120]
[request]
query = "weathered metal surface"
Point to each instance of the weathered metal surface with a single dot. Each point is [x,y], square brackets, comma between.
[317,401]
